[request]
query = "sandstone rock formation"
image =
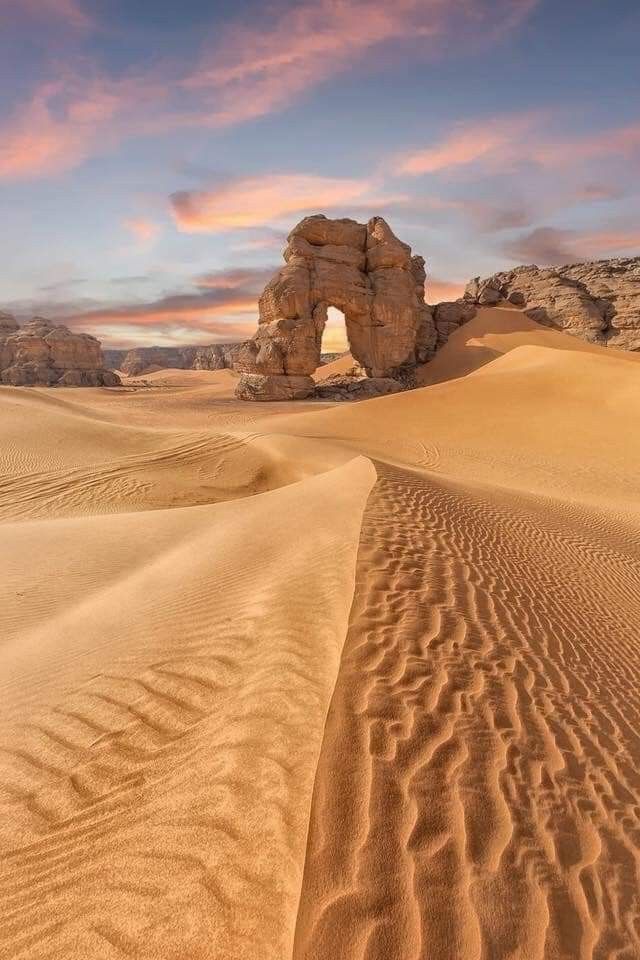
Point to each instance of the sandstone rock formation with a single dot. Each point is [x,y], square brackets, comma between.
[217,356]
[362,270]
[141,360]
[450,315]
[348,387]
[597,301]
[40,353]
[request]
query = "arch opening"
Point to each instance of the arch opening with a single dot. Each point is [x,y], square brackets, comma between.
[334,336]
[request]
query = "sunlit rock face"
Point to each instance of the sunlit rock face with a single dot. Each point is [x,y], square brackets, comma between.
[40,353]
[363,270]
[597,301]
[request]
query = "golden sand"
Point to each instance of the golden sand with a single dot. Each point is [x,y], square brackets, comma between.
[325,682]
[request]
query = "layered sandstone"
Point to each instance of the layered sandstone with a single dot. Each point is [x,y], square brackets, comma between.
[365,271]
[598,301]
[41,353]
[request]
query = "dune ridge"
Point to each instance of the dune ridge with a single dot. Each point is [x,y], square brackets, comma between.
[477,793]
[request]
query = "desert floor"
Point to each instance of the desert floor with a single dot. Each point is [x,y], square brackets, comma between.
[325,682]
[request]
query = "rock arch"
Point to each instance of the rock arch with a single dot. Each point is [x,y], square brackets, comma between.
[361,269]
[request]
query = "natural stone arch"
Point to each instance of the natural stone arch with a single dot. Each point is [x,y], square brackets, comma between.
[364,271]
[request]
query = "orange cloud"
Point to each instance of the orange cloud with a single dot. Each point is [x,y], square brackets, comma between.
[194,315]
[144,231]
[223,305]
[260,200]
[494,141]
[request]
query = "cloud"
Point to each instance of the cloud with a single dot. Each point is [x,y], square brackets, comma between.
[551,245]
[223,305]
[144,231]
[495,142]
[250,70]
[61,125]
[70,13]
[259,200]
[501,144]
[246,278]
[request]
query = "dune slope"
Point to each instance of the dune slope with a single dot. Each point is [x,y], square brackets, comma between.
[161,717]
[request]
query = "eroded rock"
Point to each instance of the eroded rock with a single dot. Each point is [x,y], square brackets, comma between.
[346,387]
[365,271]
[41,353]
[597,301]
[450,315]
[259,386]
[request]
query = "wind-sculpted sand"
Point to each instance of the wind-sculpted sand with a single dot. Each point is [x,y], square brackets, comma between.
[189,585]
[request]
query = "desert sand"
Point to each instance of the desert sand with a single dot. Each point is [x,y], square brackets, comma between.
[310,681]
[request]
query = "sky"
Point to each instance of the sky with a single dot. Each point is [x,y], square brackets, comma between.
[154,155]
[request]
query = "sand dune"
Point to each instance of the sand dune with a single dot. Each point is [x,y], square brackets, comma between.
[544,421]
[162,715]
[493,332]
[312,682]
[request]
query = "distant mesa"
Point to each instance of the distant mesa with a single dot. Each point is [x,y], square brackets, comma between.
[40,353]
[141,360]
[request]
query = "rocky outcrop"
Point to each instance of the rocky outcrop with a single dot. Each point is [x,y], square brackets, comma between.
[40,353]
[258,386]
[345,387]
[218,356]
[141,360]
[362,270]
[450,315]
[597,301]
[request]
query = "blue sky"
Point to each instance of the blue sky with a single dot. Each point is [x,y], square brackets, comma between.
[153,156]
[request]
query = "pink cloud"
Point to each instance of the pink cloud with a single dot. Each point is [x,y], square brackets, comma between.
[144,231]
[620,141]
[260,200]
[494,142]
[60,126]
[248,71]
[501,143]
[69,12]
[251,70]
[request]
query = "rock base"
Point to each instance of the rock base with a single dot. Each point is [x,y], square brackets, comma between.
[267,387]
[38,375]
[356,388]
